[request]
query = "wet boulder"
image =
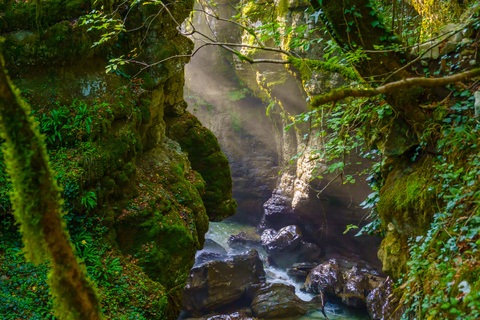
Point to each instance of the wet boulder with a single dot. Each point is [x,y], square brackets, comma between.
[203,256]
[267,236]
[380,305]
[307,266]
[308,252]
[357,285]
[219,283]
[239,315]
[211,251]
[295,272]
[242,239]
[354,288]
[278,210]
[276,301]
[212,246]
[325,278]
[286,239]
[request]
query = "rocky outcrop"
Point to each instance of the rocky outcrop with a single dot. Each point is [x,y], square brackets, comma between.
[352,285]
[242,239]
[219,283]
[287,247]
[276,301]
[325,278]
[206,157]
[381,304]
[286,239]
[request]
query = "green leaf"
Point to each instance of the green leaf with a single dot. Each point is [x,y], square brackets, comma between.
[350,227]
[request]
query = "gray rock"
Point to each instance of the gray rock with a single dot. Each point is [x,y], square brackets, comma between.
[294,272]
[218,283]
[243,239]
[286,239]
[354,287]
[305,265]
[477,103]
[427,50]
[379,306]
[325,278]
[448,48]
[276,301]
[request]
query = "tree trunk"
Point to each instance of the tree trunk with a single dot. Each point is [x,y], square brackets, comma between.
[37,203]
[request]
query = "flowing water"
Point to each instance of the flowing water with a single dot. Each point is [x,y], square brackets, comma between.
[221,231]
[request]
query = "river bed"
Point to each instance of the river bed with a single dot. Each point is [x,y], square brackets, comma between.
[221,231]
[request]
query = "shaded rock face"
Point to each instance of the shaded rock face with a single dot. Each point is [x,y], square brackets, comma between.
[352,285]
[276,301]
[278,211]
[206,157]
[271,166]
[219,283]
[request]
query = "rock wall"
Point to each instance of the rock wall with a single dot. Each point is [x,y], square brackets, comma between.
[152,173]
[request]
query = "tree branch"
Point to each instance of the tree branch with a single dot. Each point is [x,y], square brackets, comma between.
[339,94]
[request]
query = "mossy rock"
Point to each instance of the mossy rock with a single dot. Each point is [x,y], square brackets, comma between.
[206,157]
[394,254]
[406,207]
[165,225]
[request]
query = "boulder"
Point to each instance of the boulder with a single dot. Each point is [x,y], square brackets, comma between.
[351,285]
[308,266]
[243,239]
[239,315]
[219,283]
[294,272]
[379,306]
[325,278]
[286,239]
[267,236]
[278,210]
[203,256]
[212,246]
[276,301]
[354,288]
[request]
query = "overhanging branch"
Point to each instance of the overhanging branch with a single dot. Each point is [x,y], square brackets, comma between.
[339,94]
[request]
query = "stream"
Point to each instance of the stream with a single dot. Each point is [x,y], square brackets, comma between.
[219,232]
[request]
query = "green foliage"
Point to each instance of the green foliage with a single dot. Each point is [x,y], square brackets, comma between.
[89,200]
[306,66]
[448,254]
[127,293]
[70,125]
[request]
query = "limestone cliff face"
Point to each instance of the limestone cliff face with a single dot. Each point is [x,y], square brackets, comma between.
[158,176]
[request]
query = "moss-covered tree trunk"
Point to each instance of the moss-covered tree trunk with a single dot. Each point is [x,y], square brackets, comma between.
[37,203]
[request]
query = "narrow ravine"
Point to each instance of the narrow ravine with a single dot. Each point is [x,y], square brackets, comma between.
[220,232]
[220,247]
